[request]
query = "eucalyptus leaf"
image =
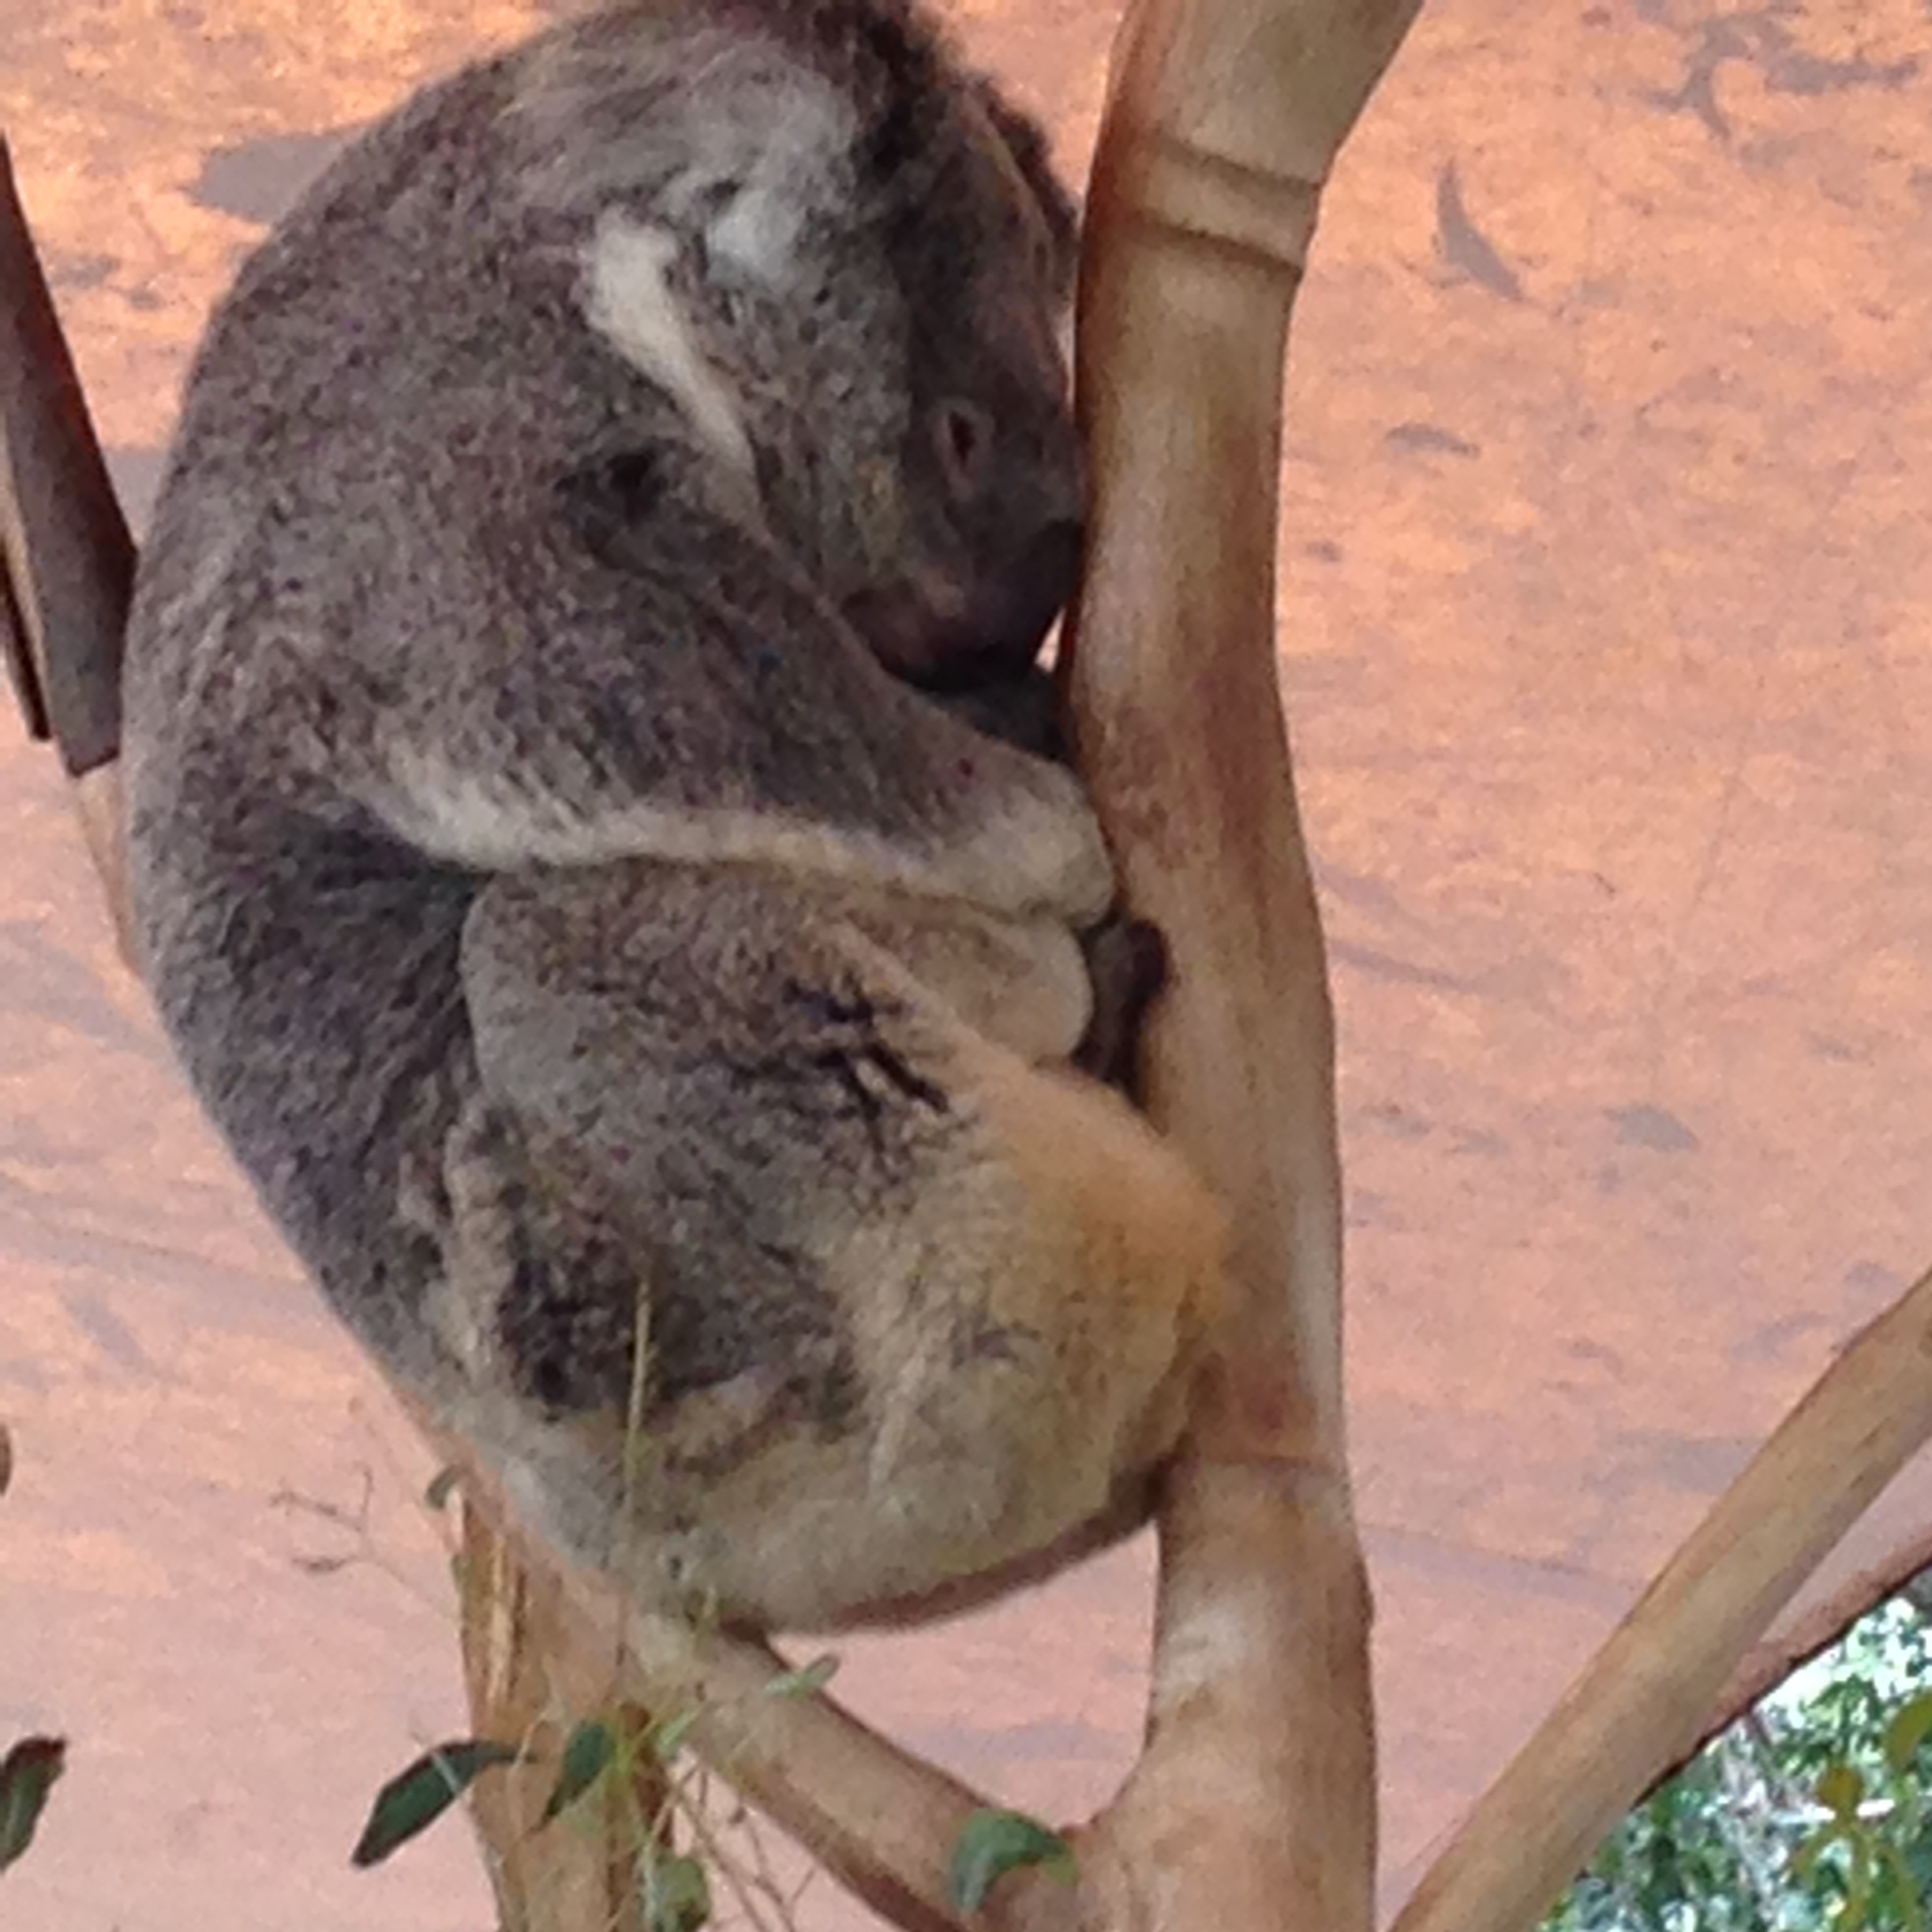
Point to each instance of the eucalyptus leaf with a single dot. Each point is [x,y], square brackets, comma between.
[677,1895]
[27,1775]
[1841,1787]
[1910,1725]
[587,1751]
[992,1844]
[416,1798]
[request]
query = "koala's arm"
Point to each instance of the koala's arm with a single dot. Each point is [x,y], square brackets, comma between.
[1126,958]
[1023,712]
[645,677]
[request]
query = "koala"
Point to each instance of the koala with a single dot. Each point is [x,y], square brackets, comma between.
[590,840]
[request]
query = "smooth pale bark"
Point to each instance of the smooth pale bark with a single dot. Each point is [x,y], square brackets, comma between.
[1254,1805]
[1768,1663]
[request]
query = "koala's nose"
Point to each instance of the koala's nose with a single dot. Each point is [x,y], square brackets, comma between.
[1048,575]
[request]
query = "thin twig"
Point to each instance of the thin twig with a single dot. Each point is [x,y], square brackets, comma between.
[881,1821]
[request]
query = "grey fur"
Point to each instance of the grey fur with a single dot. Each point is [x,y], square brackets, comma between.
[607,971]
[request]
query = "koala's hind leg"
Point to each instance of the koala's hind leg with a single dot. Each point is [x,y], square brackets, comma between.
[913,1310]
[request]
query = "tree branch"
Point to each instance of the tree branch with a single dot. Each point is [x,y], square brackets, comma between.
[66,560]
[881,1820]
[1767,1664]
[1642,1702]
[1254,1805]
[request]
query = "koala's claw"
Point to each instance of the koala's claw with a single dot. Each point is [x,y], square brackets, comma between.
[1127,963]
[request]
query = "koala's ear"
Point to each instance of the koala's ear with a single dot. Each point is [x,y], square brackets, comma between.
[1026,141]
[732,143]
[775,153]
[757,225]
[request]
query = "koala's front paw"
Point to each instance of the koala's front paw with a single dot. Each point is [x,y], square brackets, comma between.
[1023,712]
[1127,963]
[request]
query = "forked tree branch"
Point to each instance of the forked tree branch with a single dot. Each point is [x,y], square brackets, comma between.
[1770,1661]
[878,1818]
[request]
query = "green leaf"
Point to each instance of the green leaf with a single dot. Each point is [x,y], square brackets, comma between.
[677,1895]
[415,1798]
[27,1775]
[589,1749]
[990,1844]
[1840,1788]
[442,1484]
[1811,1848]
[807,1679]
[1856,1910]
[668,1739]
[1904,1889]
[1910,1727]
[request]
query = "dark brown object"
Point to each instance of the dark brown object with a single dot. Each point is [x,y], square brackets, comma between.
[67,556]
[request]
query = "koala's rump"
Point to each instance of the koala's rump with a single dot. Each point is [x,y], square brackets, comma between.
[892,1334]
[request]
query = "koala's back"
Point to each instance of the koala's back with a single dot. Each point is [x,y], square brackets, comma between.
[358,516]
[303,956]
[364,395]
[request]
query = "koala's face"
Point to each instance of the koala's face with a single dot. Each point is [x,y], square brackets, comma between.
[888,279]
[990,497]
[849,262]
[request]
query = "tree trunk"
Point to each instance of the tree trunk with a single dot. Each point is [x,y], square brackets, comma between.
[530,1679]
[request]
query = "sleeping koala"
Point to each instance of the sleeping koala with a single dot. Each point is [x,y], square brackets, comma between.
[564,858]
